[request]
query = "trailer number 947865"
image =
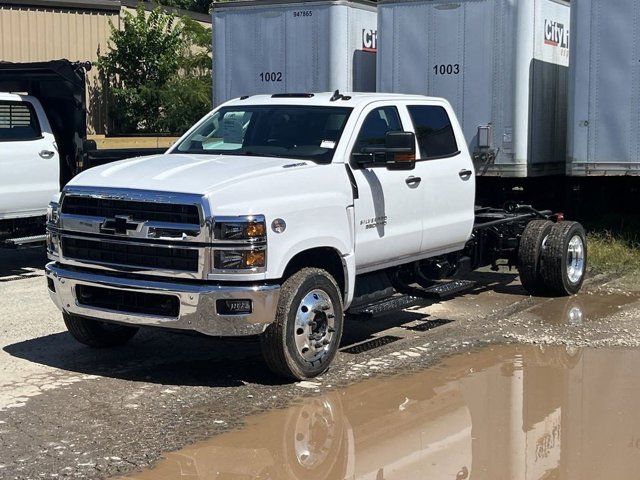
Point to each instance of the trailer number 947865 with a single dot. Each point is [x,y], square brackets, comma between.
[447,69]
[303,13]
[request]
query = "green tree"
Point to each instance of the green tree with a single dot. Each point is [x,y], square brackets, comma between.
[202,6]
[187,96]
[157,73]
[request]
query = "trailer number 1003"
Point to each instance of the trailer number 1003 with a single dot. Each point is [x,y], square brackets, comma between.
[271,76]
[447,69]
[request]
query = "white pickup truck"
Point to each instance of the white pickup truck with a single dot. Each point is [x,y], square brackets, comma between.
[275,214]
[30,165]
[43,143]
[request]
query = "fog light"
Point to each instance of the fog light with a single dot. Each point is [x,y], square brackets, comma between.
[234,307]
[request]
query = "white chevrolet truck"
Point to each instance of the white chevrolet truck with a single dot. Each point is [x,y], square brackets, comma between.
[276,214]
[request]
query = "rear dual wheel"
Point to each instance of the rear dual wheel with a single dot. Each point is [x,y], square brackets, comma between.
[564,259]
[530,253]
[552,257]
[306,333]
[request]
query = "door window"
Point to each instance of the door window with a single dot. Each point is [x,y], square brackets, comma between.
[18,121]
[375,127]
[434,131]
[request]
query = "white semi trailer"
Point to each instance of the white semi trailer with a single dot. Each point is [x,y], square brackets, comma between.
[503,65]
[278,47]
[604,100]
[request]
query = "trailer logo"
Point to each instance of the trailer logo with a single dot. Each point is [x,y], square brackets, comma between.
[369,40]
[556,34]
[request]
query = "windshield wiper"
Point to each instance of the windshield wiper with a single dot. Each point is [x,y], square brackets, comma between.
[255,154]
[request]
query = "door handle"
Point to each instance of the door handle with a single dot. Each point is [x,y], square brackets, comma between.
[47,153]
[465,174]
[412,181]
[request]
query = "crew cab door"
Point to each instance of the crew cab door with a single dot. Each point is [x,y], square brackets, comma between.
[388,218]
[29,160]
[448,205]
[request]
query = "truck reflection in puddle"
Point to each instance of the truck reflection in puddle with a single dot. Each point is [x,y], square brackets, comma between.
[507,412]
[578,309]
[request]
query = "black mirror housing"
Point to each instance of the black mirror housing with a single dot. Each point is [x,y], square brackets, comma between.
[400,148]
[397,153]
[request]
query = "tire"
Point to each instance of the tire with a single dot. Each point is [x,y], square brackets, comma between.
[306,333]
[564,259]
[98,334]
[529,254]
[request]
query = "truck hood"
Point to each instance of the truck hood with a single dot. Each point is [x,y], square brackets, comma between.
[184,173]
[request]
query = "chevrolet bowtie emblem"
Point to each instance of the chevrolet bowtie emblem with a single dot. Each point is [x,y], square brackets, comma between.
[119,225]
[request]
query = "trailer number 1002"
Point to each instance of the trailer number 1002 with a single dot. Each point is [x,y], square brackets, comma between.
[448,69]
[271,76]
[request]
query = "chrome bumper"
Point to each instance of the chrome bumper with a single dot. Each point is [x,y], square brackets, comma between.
[197,303]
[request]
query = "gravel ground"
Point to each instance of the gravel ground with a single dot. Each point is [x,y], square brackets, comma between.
[66,410]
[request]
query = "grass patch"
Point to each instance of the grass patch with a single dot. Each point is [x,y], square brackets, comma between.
[613,252]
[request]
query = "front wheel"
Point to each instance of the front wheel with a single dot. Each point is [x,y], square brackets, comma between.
[98,334]
[306,333]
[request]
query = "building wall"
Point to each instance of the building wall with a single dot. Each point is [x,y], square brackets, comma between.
[41,34]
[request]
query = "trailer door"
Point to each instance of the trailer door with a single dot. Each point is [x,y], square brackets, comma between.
[459,51]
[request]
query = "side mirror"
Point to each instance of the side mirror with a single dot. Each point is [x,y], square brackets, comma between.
[400,148]
[397,153]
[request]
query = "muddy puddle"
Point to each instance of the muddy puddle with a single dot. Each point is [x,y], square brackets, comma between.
[583,308]
[508,412]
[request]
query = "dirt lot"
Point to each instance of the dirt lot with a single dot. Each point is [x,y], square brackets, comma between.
[66,410]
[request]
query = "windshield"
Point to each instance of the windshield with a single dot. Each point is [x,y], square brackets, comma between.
[300,132]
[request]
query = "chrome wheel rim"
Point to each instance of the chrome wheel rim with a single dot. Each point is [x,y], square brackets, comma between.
[575,259]
[314,326]
[575,316]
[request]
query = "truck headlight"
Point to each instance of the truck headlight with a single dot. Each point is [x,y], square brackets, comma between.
[240,243]
[251,227]
[52,213]
[240,259]
[52,230]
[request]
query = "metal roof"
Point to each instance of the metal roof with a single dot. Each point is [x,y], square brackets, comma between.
[258,3]
[107,5]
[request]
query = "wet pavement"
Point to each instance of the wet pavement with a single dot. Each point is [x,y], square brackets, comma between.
[504,412]
[69,411]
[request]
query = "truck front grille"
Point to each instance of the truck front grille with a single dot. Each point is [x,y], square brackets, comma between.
[128,302]
[161,234]
[138,211]
[131,254]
